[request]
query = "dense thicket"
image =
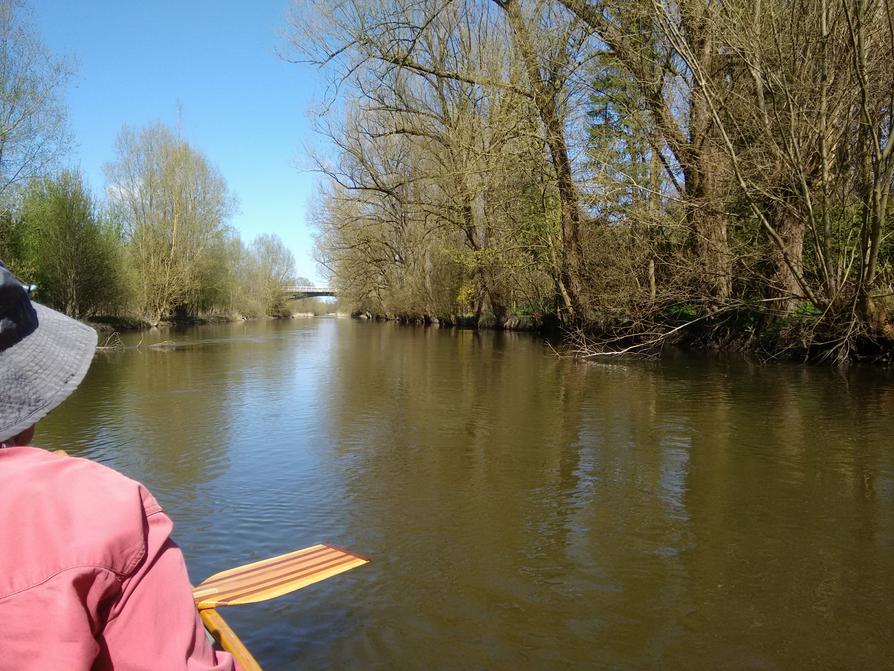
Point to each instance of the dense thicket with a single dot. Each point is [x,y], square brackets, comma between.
[638,169]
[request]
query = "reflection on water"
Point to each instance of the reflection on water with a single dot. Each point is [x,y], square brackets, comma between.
[521,511]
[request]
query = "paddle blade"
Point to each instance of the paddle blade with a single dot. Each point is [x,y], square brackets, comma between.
[274,577]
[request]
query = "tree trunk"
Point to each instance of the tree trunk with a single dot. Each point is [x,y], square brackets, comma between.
[572,261]
[707,222]
[784,285]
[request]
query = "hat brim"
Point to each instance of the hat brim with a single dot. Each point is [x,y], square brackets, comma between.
[42,369]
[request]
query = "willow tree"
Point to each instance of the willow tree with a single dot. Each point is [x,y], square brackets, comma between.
[73,252]
[174,205]
[374,225]
[272,268]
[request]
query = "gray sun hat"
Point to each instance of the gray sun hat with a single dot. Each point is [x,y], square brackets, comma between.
[44,355]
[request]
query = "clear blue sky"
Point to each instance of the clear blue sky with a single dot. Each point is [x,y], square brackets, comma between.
[242,105]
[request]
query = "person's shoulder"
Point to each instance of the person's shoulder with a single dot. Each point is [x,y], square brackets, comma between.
[72,482]
[64,512]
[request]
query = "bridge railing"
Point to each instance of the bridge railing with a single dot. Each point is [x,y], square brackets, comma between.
[308,289]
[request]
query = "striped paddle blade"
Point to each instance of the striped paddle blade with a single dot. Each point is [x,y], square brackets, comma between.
[275,576]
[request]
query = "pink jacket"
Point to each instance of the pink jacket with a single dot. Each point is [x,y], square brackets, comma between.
[89,577]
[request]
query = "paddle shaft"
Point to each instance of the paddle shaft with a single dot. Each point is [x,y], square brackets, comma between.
[228,640]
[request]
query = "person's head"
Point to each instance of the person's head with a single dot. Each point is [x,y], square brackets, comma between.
[44,355]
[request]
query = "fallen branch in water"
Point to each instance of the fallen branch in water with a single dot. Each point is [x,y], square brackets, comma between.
[112,343]
[646,336]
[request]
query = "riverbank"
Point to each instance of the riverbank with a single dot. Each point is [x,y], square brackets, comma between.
[528,323]
[799,337]
[107,326]
[795,338]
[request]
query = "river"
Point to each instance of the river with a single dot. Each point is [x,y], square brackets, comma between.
[521,511]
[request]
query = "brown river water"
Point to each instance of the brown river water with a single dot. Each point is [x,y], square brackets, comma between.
[521,511]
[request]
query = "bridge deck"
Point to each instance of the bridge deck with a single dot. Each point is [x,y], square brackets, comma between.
[308,291]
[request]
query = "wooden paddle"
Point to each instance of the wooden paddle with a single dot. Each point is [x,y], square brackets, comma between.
[265,580]
[226,638]
[274,577]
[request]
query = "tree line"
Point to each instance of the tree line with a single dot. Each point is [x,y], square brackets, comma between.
[638,171]
[157,247]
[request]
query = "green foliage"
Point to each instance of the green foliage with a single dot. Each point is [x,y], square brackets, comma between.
[807,309]
[73,254]
[618,149]
[314,306]
[82,260]
[12,243]
[271,266]
[216,289]
[682,312]
[173,205]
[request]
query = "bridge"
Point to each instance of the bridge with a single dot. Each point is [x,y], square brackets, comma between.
[307,291]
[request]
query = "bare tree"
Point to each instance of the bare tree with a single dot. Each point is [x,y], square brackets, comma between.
[429,41]
[33,119]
